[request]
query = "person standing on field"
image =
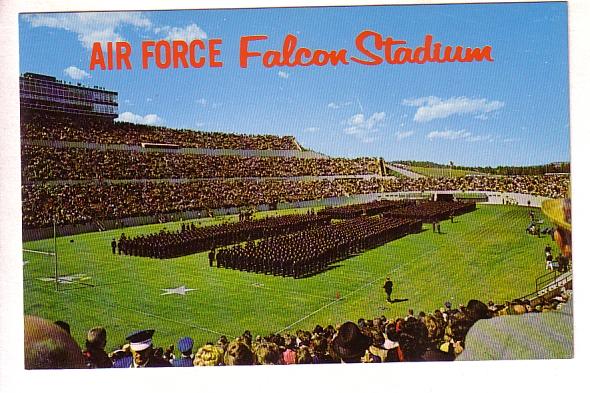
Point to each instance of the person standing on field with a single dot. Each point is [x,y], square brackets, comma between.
[388,286]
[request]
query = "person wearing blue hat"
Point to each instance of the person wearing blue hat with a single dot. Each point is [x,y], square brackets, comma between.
[142,352]
[185,346]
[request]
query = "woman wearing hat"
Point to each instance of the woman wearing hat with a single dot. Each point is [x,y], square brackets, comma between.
[350,343]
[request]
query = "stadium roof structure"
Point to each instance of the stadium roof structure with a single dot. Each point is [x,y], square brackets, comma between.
[45,93]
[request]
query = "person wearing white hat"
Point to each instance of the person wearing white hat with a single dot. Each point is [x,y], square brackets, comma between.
[142,352]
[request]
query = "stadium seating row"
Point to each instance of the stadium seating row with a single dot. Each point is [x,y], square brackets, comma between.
[42,163]
[63,203]
[42,126]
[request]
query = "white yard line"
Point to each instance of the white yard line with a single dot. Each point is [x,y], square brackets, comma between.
[38,252]
[338,300]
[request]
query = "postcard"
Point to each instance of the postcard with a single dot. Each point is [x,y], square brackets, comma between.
[296,185]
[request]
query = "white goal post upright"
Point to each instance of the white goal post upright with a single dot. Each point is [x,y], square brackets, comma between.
[55,254]
[52,272]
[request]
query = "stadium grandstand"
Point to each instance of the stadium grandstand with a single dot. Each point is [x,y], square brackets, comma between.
[101,169]
[84,172]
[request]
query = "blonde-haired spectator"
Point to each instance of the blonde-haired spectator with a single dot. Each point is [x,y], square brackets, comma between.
[209,355]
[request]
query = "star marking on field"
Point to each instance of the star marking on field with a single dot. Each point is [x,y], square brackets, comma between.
[182,290]
[67,279]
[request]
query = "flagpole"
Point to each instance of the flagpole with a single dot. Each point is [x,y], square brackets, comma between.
[55,253]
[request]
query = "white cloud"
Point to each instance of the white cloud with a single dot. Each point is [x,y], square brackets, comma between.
[362,127]
[283,74]
[460,134]
[480,138]
[311,129]
[399,135]
[188,33]
[338,105]
[103,27]
[76,73]
[202,101]
[151,119]
[430,108]
[91,26]
[359,123]
[448,134]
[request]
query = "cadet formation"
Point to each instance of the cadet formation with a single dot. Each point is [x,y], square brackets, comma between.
[293,245]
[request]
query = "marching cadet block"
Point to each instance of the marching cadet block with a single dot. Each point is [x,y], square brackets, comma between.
[312,250]
[191,239]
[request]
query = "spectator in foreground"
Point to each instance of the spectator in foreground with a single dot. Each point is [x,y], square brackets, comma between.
[209,355]
[304,356]
[142,352]
[413,340]
[96,356]
[267,353]
[64,325]
[48,346]
[350,343]
[185,346]
[238,354]
[290,352]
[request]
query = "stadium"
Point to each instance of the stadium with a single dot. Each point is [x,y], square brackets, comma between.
[263,251]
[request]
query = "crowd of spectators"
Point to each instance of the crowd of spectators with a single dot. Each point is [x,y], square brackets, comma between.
[115,184]
[41,163]
[88,201]
[553,186]
[440,335]
[42,126]
[82,203]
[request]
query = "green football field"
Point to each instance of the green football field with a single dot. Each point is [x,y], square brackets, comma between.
[484,255]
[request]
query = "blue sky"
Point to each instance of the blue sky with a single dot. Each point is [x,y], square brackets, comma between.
[513,111]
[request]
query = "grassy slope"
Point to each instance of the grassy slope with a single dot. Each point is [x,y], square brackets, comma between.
[483,255]
[441,172]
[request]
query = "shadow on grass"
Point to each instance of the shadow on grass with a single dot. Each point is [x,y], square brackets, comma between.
[397,300]
[331,267]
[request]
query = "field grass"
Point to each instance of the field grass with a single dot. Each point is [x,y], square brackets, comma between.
[442,172]
[484,255]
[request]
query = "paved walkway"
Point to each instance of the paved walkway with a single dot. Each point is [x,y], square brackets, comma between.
[405,172]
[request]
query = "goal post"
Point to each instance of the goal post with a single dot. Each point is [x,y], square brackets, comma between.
[45,252]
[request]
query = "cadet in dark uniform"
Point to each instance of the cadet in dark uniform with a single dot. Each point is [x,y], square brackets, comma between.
[142,352]
[185,346]
[388,286]
[211,257]
[114,245]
